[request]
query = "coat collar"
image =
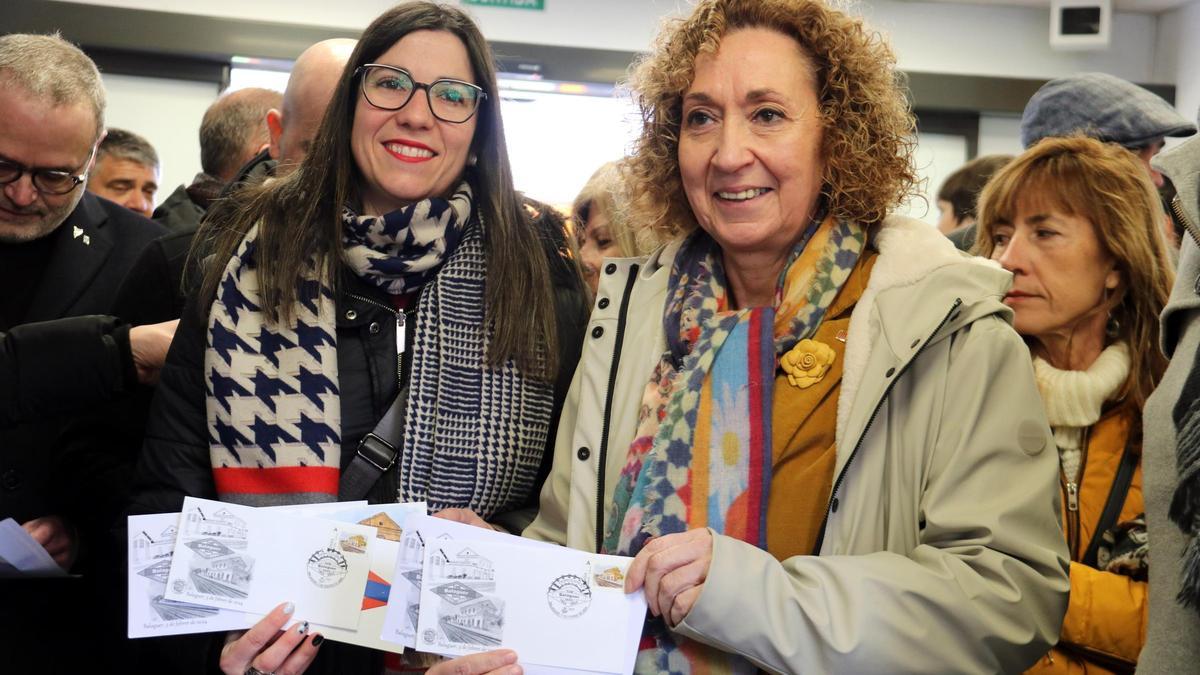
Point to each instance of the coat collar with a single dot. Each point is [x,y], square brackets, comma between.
[1180,165]
[83,245]
[917,280]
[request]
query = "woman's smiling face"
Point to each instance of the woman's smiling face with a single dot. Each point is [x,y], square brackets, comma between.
[750,141]
[408,155]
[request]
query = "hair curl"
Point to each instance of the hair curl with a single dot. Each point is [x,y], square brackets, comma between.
[1106,185]
[869,129]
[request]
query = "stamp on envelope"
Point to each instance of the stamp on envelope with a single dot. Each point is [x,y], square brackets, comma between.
[610,578]
[327,567]
[569,596]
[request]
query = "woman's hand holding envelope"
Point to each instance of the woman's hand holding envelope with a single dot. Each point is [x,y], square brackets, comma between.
[264,649]
[672,569]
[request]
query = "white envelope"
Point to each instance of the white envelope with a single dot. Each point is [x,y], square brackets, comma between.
[22,556]
[392,523]
[237,557]
[554,606]
[400,622]
[151,541]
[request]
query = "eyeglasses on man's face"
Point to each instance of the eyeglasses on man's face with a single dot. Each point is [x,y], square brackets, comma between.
[391,88]
[46,181]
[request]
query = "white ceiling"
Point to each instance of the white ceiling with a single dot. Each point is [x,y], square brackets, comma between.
[1140,6]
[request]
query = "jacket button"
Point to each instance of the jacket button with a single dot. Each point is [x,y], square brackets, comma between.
[610,268]
[890,372]
[11,479]
[597,331]
[583,454]
[833,506]
[351,315]
[603,303]
[374,328]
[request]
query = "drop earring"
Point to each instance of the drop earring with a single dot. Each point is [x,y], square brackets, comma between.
[1112,327]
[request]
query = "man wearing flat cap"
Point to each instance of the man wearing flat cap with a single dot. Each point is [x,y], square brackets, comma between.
[1104,107]
[1107,108]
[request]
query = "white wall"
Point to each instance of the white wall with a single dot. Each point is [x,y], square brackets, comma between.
[929,37]
[598,24]
[1000,134]
[969,39]
[1005,41]
[1178,56]
[167,113]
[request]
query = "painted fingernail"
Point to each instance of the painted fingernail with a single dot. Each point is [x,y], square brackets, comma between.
[289,608]
[317,640]
[302,628]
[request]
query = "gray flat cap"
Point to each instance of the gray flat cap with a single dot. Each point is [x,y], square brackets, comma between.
[1101,106]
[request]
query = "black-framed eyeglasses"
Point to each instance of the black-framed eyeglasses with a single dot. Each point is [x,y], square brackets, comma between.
[391,88]
[47,181]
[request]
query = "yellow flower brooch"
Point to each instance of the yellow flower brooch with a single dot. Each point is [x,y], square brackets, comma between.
[807,363]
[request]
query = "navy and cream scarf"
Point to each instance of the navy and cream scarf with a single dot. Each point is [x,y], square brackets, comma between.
[474,435]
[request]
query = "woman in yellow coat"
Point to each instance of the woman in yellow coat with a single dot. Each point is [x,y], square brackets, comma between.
[1076,222]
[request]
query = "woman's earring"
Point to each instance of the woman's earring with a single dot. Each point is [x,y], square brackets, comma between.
[472,159]
[1112,327]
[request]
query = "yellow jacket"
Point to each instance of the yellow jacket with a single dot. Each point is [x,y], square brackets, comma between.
[1106,618]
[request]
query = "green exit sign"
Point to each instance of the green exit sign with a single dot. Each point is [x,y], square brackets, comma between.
[537,5]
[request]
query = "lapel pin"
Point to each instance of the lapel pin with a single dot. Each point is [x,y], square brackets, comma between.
[78,231]
[841,336]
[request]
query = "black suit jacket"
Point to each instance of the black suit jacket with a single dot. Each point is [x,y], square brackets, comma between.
[92,251]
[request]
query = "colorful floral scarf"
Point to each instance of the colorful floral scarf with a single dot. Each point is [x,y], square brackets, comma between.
[702,454]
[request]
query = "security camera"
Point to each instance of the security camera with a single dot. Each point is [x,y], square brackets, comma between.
[1080,24]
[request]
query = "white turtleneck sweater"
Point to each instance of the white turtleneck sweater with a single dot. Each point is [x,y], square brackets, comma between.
[1073,400]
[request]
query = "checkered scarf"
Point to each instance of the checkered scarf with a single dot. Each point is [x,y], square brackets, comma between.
[702,455]
[273,405]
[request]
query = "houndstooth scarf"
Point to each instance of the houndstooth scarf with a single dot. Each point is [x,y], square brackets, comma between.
[474,435]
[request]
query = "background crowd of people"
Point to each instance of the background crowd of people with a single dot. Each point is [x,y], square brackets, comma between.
[832,438]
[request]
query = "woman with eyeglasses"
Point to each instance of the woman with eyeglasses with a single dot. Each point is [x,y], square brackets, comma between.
[376,323]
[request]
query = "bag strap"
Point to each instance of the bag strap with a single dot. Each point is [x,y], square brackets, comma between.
[1116,500]
[376,452]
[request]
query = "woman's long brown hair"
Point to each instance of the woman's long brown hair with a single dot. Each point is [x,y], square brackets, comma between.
[1105,184]
[299,215]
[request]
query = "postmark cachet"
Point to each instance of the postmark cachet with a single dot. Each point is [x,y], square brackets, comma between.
[327,568]
[569,596]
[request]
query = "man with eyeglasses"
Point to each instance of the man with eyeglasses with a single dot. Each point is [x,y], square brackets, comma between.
[63,253]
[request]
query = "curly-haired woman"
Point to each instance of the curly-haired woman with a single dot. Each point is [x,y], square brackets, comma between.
[811,423]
